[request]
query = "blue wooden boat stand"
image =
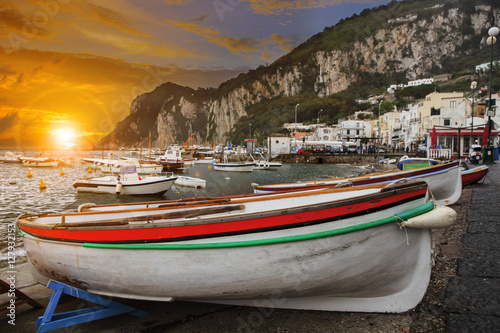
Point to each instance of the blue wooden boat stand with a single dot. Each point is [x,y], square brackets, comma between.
[106,308]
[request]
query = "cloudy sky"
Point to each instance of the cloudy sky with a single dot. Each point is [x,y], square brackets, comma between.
[69,69]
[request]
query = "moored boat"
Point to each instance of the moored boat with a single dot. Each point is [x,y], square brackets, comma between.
[10,157]
[191,182]
[127,183]
[335,249]
[444,181]
[40,162]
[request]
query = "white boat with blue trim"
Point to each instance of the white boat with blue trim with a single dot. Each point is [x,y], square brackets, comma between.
[444,180]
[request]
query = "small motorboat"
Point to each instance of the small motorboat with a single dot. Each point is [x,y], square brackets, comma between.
[127,183]
[40,162]
[191,182]
[234,166]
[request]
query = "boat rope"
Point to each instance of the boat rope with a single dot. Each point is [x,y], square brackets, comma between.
[399,221]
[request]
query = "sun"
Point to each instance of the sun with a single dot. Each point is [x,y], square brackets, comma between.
[65,137]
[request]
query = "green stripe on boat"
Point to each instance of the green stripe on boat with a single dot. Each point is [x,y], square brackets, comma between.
[427,207]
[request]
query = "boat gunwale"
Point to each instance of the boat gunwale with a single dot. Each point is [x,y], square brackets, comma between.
[222,200]
[371,176]
[124,183]
[396,218]
[411,187]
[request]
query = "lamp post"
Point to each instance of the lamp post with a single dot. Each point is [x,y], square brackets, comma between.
[491,40]
[378,133]
[473,86]
[295,135]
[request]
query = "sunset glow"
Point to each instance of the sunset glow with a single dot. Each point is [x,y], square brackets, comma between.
[82,63]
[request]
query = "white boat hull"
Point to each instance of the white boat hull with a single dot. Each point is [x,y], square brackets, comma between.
[445,183]
[234,167]
[108,185]
[141,169]
[372,270]
[191,182]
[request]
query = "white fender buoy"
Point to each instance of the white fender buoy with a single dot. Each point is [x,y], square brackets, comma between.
[438,218]
[119,188]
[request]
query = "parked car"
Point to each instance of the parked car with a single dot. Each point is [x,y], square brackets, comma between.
[372,150]
[337,150]
[352,150]
[422,151]
[319,149]
[303,152]
[381,150]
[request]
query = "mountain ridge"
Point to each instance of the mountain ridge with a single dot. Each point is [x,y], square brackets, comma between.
[407,39]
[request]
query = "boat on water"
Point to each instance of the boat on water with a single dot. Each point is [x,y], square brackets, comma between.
[10,157]
[128,182]
[233,166]
[114,165]
[206,160]
[334,249]
[264,164]
[40,162]
[191,182]
[444,180]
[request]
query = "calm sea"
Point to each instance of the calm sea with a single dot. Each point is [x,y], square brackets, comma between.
[21,194]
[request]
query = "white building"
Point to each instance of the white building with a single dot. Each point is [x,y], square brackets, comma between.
[353,130]
[278,145]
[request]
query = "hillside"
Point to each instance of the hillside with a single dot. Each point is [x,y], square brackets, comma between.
[357,57]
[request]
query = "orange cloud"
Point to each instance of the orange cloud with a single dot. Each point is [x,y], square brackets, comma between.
[247,47]
[234,45]
[41,91]
[277,7]
[178,2]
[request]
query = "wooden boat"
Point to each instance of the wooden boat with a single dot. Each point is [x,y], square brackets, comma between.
[114,165]
[444,181]
[10,157]
[233,166]
[469,176]
[407,163]
[474,175]
[40,162]
[191,182]
[335,249]
[127,183]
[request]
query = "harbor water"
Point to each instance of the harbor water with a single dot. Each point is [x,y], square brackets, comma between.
[21,194]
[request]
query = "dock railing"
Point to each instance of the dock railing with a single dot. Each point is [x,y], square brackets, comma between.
[440,153]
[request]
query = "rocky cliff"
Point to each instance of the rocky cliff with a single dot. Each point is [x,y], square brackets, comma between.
[410,37]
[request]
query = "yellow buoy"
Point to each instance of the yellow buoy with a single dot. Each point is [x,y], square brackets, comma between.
[42,185]
[62,172]
[89,170]
[29,174]
[209,167]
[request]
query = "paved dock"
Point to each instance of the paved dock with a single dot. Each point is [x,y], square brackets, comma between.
[472,301]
